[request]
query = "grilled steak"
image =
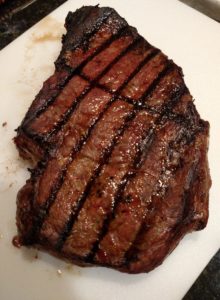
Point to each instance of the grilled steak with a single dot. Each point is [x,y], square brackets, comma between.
[122,172]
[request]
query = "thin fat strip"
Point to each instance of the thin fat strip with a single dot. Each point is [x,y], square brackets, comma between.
[81,171]
[101,199]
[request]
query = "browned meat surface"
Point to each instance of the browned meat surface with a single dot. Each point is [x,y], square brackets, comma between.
[121,169]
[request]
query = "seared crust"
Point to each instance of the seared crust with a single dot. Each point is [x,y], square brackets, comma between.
[122,171]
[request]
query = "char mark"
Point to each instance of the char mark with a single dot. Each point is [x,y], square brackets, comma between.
[69,75]
[42,139]
[137,163]
[44,211]
[86,192]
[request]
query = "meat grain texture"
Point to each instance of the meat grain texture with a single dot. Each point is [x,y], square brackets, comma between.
[121,171]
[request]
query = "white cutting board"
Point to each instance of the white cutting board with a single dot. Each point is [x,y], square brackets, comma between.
[193,41]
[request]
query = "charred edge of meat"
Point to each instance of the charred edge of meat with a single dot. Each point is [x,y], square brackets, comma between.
[188,135]
[83,23]
[40,216]
[69,112]
[42,139]
[191,217]
[77,37]
[200,184]
[25,213]
[28,148]
[33,113]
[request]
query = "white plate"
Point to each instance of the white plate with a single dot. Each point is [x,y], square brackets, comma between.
[193,41]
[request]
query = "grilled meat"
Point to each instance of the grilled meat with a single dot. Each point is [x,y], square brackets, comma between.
[122,172]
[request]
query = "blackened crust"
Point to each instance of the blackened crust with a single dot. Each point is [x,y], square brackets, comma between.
[81,24]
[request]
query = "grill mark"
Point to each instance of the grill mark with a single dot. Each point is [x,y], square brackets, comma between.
[125,82]
[103,31]
[130,174]
[180,229]
[168,85]
[69,199]
[68,113]
[147,59]
[89,33]
[160,190]
[135,199]
[121,32]
[116,74]
[94,103]
[117,93]
[86,192]
[141,103]
[71,222]
[49,91]
[131,75]
[154,84]
[99,62]
[67,98]
[149,102]
[152,109]
[42,207]
[114,169]
[60,86]
[187,197]
[143,79]
[44,211]
[148,234]
[42,138]
[172,101]
[136,70]
[199,210]
[196,213]
[137,165]
[96,84]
